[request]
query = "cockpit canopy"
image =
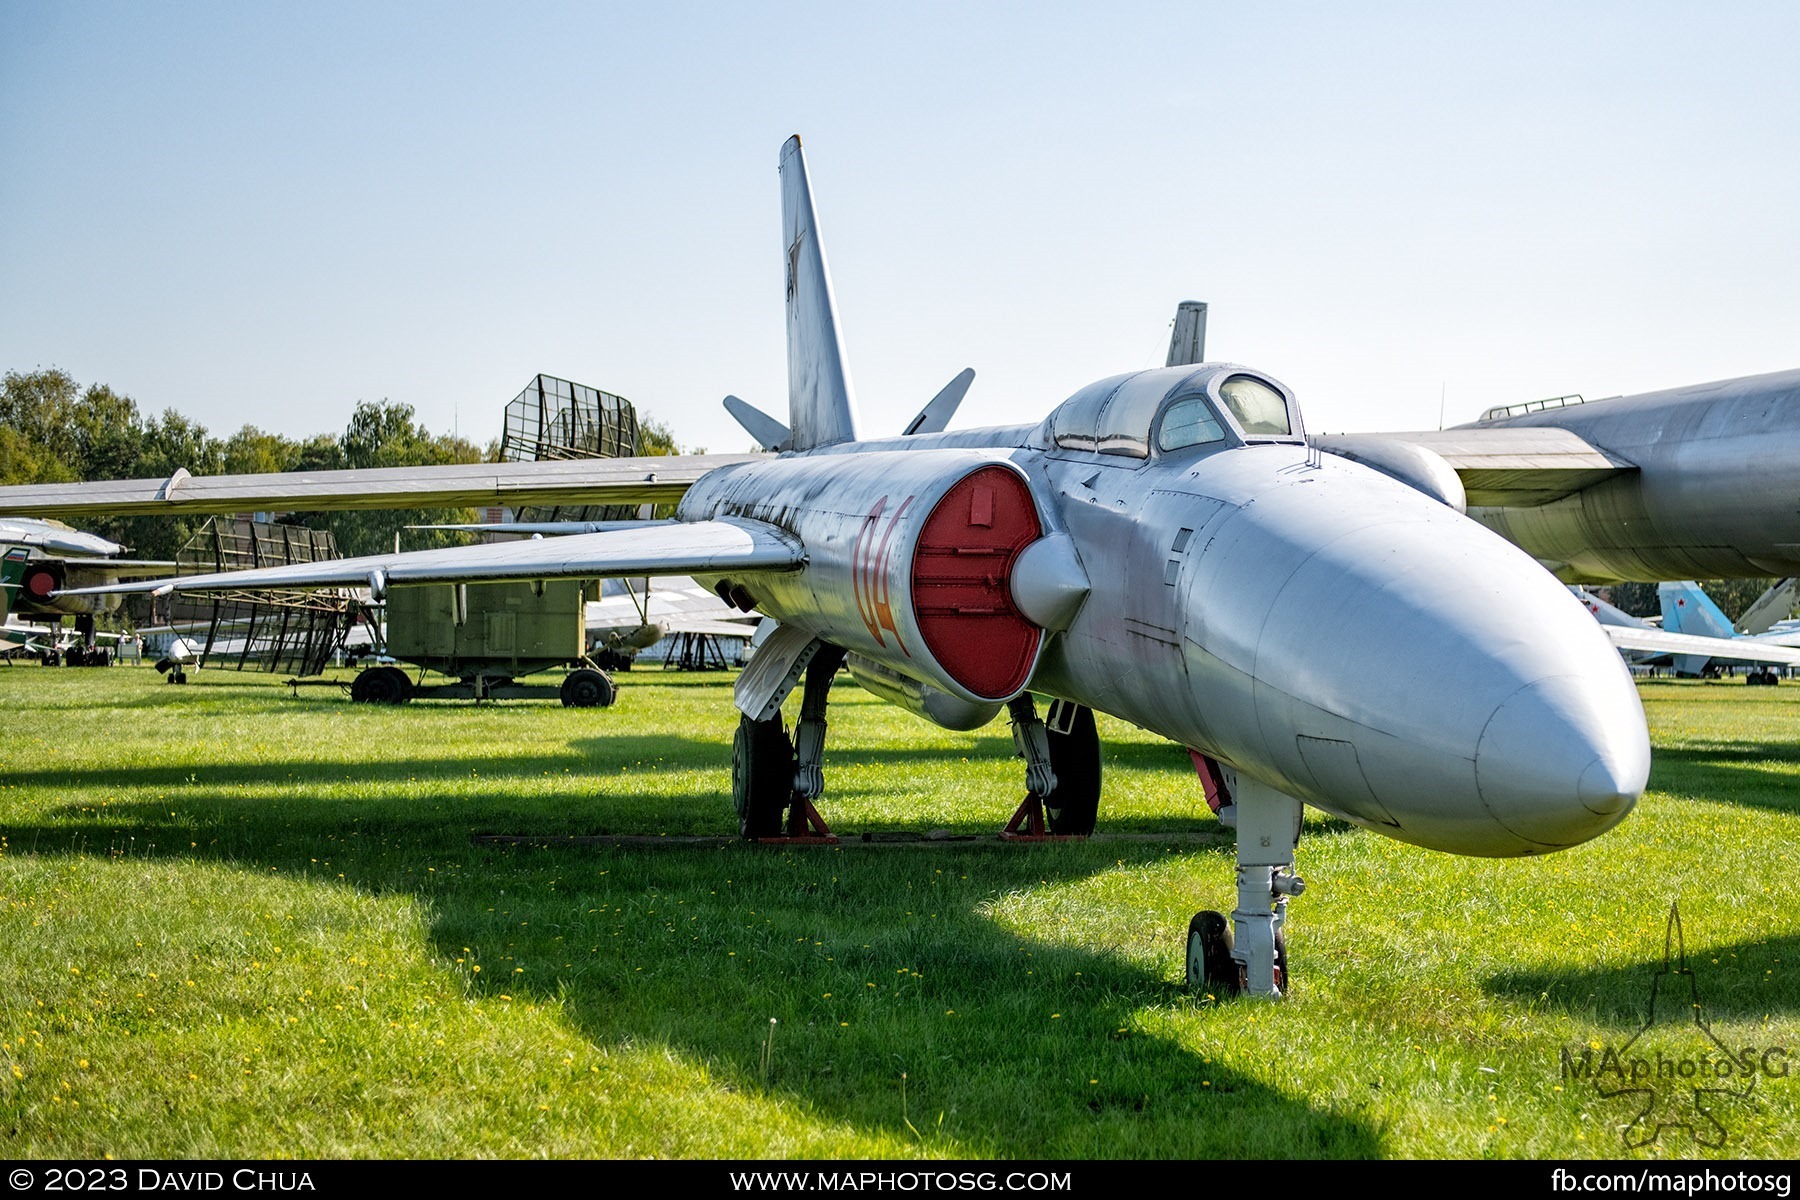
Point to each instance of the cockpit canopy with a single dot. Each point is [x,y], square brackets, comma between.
[1174,408]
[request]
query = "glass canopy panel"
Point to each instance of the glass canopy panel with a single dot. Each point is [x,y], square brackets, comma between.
[1260,409]
[1189,422]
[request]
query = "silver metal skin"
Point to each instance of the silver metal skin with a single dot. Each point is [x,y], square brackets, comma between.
[1712,496]
[1334,634]
[1692,482]
[1164,547]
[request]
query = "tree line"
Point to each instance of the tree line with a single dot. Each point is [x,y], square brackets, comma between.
[53,430]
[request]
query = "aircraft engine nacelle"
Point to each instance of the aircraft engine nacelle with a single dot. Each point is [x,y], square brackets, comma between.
[932,563]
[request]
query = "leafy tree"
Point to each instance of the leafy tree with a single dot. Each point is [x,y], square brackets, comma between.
[654,437]
[250,451]
[388,435]
[169,443]
[107,433]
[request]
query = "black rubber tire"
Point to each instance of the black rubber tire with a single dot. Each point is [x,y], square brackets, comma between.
[1210,968]
[1074,806]
[762,776]
[586,688]
[381,685]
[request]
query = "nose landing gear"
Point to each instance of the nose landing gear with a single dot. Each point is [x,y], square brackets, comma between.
[1247,955]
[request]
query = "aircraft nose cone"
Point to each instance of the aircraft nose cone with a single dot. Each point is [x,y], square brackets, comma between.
[1547,733]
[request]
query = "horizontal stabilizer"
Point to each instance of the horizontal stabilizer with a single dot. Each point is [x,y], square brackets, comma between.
[936,415]
[769,433]
[693,548]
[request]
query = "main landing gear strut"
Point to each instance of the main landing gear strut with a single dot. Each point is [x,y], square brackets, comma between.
[1247,955]
[1062,770]
[771,774]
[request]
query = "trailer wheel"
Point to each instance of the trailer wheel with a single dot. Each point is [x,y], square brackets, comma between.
[585,688]
[381,685]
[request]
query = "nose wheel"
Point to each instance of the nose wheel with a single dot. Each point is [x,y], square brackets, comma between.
[1246,955]
[1211,969]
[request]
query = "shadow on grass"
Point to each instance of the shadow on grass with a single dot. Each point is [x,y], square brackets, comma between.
[1731,772]
[872,963]
[606,768]
[1737,981]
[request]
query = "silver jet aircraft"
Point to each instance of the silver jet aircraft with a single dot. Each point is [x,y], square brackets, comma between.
[1164,547]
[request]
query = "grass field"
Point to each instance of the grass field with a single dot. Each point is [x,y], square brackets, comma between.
[234,923]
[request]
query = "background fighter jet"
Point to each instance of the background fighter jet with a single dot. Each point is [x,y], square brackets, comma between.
[1689,645]
[45,559]
[1686,609]
[1165,546]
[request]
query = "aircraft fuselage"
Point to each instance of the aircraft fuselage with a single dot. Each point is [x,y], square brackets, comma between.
[1334,634]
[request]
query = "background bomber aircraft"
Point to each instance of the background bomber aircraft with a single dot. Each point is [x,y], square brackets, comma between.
[1165,546]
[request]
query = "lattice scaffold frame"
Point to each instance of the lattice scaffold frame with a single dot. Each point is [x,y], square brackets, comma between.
[290,631]
[557,419]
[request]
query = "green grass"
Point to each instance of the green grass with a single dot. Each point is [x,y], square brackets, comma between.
[234,923]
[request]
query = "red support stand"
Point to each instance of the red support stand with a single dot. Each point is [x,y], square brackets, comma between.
[1027,824]
[805,827]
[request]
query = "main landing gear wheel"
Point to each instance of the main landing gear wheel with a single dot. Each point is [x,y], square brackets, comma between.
[381,685]
[762,776]
[587,688]
[1074,803]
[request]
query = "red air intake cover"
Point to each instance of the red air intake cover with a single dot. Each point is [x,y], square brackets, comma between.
[962,582]
[40,580]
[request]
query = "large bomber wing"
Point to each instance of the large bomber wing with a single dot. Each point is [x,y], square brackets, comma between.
[453,485]
[1505,465]
[690,548]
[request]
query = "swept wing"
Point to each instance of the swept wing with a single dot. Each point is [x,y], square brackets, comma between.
[1521,465]
[696,547]
[1743,650]
[452,485]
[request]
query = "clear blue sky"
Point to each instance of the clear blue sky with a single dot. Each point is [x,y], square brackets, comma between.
[266,212]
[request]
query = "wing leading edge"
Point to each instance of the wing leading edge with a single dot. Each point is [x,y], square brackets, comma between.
[453,485]
[1504,465]
[695,547]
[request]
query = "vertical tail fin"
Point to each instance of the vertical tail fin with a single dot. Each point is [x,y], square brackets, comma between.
[1187,343]
[1687,609]
[12,572]
[821,400]
[11,576]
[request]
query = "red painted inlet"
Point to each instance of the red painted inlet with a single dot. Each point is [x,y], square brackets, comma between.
[962,582]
